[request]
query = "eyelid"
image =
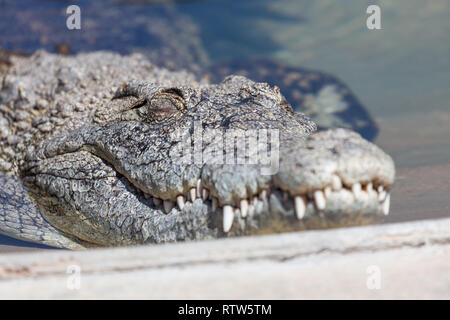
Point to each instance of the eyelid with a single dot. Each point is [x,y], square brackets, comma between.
[176,98]
[137,104]
[174,91]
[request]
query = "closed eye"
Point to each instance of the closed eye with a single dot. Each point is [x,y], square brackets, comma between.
[174,91]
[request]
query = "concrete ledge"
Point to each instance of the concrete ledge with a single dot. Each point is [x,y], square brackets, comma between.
[409,260]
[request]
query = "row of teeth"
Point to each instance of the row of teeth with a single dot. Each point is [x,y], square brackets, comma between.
[300,202]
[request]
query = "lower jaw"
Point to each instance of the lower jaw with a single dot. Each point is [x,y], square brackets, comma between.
[275,214]
[333,206]
[270,212]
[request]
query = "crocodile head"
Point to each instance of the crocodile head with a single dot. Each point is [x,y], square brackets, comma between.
[161,164]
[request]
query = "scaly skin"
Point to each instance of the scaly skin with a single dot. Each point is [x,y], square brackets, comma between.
[110,172]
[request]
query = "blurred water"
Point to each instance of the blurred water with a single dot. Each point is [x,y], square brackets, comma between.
[401,73]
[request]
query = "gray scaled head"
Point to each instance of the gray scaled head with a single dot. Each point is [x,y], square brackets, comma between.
[178,163]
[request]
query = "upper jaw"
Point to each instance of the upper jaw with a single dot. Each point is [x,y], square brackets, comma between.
[333,174]
[327,155]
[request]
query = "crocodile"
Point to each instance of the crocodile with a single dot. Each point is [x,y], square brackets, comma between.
[102,149]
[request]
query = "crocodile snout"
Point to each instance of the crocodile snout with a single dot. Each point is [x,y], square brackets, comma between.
[332,174]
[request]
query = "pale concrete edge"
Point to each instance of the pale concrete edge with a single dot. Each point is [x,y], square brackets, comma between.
[279,247]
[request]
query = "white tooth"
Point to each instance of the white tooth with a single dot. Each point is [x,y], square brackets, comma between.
[180,202]
[263,194]
[386,204]
[356,188]
[193,194]
[327,191]
[244,208]
[228,217]
[382,196]
[381,193]
[205,194]
[299,207]
[157,201]
[364,195]
[168,205]
[259,205]
[370,191]
[199,188]
[319,199]
[336,182]
[251,210]
[214,203]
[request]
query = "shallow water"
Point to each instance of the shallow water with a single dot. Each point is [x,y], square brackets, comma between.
[401,73]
